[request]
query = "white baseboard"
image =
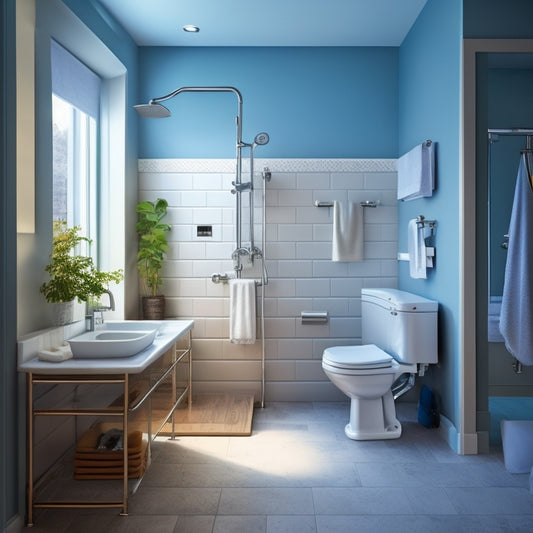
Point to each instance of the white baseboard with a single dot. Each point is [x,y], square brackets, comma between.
[460,444]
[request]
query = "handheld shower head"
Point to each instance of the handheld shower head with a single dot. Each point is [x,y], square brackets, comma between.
[261,138]
[152,110]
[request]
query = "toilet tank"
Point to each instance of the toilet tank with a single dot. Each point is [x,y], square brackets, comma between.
[402,324]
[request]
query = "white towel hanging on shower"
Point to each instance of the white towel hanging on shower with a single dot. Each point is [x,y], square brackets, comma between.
[242,311]
[348,232]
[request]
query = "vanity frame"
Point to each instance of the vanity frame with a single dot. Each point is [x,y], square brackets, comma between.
[74,374]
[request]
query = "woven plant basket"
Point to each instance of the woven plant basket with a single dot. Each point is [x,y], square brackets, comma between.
[153,307]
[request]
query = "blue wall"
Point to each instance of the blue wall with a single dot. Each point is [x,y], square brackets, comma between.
[124,48]
[429,108]
[314,102]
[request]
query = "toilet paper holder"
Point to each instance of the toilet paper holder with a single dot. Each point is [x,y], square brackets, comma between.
[314,317]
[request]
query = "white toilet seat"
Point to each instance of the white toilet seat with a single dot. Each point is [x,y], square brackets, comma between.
[365,357]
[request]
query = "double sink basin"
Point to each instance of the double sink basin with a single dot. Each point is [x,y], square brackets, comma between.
[115,339]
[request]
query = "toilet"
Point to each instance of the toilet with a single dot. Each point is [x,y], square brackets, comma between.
[399,336]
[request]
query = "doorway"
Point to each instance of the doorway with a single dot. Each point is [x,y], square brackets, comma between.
[481,57]
[510,386]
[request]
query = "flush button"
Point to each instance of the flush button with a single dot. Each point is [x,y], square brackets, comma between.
[204,231]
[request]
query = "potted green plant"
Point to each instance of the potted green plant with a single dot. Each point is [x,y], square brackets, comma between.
[72,276]
[152,248]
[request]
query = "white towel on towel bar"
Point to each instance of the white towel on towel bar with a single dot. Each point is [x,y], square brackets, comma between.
[348,232]
[416,246]
[416,172]
[242,311]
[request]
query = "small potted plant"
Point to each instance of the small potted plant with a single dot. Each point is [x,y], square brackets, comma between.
[152,248]
[72,276]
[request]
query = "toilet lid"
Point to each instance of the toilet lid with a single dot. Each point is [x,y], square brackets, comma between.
[367,356]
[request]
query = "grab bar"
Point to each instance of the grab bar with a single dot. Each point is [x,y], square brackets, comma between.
[367,203]
[309,317]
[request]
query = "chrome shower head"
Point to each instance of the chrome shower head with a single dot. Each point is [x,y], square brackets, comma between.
[152,110]
[261,138]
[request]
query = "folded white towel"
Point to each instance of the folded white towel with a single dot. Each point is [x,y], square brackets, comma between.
[56,354]
[416,247]
[416,173]
[348,232]
[242,311]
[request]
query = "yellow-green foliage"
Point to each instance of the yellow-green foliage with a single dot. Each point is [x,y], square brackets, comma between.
[73,276]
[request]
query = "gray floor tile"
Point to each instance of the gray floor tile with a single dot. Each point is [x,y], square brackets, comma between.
[429,501]
[291,524]
[189,450]
[492,500]
[520,524]
[419,475]
[360,500]
[194,524]
[287,501]
[153,524]
[411,524]
[298,472]
[170,500]
[240,524]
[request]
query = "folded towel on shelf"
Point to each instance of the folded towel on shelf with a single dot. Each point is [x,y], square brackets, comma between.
[516,316]
[416,248]
[56,354]
[348,232]
[416,172]
[242,311]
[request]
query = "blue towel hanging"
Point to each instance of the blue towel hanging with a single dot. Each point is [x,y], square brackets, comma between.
[516,319]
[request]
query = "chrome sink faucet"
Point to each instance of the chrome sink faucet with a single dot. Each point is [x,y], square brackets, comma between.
[92,320]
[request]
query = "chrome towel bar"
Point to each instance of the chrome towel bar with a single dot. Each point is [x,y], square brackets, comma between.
[367,203]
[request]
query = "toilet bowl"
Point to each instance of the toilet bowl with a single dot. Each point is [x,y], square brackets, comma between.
[367,373]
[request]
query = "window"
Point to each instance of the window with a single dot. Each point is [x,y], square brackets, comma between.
[75,119]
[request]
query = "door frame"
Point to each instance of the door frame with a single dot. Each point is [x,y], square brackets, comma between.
[467,202]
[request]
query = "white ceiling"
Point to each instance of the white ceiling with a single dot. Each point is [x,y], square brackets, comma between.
[267,22]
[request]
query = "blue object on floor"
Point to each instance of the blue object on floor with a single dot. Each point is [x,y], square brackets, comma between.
[428,412]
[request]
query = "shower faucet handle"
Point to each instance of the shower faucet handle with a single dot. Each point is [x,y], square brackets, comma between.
[239,187]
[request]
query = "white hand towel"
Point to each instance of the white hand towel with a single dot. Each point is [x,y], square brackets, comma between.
[516,317]
[242,311]
[348,232]
[416,173]
[416,247]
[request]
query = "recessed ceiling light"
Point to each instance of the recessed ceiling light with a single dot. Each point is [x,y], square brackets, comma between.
[191,29]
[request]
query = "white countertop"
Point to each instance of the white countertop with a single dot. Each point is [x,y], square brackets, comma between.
[170,332]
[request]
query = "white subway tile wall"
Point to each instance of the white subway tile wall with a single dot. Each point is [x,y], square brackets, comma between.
[302,276]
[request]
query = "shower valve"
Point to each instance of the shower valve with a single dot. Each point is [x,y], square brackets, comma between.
[241,187]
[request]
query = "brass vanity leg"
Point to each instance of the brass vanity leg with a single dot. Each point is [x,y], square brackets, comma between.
[29,449]
[173,397]
[190,367]
[125,447]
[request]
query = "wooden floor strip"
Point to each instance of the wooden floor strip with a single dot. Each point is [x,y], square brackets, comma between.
[214,414]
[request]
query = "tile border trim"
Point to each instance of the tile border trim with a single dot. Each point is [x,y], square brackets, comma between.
[275,165]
